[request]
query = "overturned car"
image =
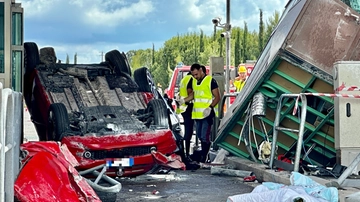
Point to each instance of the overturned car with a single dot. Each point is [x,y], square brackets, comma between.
[102,114]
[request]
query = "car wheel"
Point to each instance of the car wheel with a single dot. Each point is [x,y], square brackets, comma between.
[31,57]
[145,81]
[31,60]
[58,122]
[47,55]
[118,62]
[158,111]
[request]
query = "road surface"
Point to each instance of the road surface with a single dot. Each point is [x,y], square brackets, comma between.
[178,185]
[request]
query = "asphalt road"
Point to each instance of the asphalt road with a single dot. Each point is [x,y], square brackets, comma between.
[179,185]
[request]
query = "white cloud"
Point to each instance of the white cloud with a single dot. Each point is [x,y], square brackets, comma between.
[102,15]
[198,10]
[92,26]
[38,7]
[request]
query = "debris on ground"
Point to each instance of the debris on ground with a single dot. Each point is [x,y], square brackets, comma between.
[220,157]
[250,178]
[302,188]
[230,172]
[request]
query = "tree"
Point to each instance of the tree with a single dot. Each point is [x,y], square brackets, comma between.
[75,58]
[244,43]
[237,48]
[201,41]
[271,24]
[153,55]
[261,32]
[67,59]
[197,47]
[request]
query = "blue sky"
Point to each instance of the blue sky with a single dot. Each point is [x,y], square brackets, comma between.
[90,27]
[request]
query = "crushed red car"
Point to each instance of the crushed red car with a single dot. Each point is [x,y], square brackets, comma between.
[102,113]
[42,183]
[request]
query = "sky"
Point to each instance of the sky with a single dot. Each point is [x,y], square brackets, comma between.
[90,28]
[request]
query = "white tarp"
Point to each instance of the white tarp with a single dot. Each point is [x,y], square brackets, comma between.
[301,187]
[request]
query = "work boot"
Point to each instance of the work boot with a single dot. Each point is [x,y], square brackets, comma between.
[181,152]
[187,147]
[205,147]
[188,159]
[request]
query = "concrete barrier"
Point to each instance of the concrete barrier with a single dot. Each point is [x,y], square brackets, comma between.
[10,140]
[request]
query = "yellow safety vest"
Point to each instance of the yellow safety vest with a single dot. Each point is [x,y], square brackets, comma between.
[183,93]
[202,97]
[239,85]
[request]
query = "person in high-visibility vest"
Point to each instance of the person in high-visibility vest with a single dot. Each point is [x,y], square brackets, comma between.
[206,96]
[241,79]
[185,110]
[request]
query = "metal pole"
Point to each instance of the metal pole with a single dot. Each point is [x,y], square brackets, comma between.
[227,73]
[348,170]
[300,133]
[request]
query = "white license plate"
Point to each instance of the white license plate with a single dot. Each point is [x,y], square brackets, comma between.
[120,162]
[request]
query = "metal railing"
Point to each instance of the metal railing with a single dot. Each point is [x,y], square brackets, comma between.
[300,131]
[11,110]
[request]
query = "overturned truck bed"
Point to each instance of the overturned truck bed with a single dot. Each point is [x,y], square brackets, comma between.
[298,58]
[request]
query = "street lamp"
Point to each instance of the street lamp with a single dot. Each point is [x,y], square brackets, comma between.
[217,23]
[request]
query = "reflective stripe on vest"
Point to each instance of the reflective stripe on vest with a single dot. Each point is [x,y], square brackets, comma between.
[183,93]
[202,97]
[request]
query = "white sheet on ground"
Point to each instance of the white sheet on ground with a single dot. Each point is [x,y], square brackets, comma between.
[302,188]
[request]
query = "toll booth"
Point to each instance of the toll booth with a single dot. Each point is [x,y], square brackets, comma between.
[346,116]
[11,44]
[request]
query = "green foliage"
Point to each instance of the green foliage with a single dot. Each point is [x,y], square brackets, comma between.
[271,24]
[75,58]
[67,59]
[261,32]
[245,44]
[237,47]
[197,47]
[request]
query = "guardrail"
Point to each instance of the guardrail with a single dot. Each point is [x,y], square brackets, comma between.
[11,122]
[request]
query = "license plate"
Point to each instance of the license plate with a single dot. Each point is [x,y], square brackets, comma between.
[120,162]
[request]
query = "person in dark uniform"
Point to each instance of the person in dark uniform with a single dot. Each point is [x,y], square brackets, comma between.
[206,96]
[185,110]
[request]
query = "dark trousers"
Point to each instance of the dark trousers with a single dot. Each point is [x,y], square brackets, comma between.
[203,132]
[188,128]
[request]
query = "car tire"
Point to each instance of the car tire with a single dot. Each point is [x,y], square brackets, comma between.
[31,60]
[118,62]
[47,55]
[145,81]
[126,63]
[31,57]
[158,111]
[58,121]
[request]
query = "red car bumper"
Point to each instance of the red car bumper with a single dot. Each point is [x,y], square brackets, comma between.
[92,151]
